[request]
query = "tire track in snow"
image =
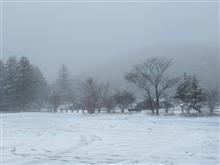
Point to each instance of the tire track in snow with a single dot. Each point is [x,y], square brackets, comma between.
[85,139]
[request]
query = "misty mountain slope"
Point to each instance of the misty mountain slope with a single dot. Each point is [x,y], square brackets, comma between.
[193,59]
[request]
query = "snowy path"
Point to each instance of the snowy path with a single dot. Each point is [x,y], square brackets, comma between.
[47,138]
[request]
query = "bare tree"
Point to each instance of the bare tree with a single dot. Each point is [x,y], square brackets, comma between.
[152,76]
[123,99]
[54,100]
[109,103]
[94,94]
[212,98]
[102,93]
[89,89]
[136,78]
[167,103]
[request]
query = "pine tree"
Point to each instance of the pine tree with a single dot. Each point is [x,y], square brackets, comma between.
[183,90]
[2,86]
[64,85]
[189,93]
[10,81]
[24,83]
[40,88]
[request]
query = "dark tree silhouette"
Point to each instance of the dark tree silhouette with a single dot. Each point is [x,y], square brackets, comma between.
[123,99]
[152,77]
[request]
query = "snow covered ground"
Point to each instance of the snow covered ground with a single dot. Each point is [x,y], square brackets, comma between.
[61,138]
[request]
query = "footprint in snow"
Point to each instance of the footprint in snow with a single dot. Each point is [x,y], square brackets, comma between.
[84,162]
[208,157]
[25,155]
[39,134]
[167,162]
[55,157]
[155,157]
[135,161]
[65,160]
[115,155]
[190,153]
[13,150]
[48,151]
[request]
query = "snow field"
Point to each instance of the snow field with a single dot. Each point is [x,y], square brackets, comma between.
[64,138]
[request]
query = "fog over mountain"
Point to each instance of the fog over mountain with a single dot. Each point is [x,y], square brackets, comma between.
[194,59]
[106,40]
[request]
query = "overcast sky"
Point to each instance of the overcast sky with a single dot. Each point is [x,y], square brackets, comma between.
[90,37]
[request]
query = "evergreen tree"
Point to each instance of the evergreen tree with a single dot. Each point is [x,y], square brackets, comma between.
[40,88]
[197,95]
[189,93]
[183,90]
[64,84]
[10,81]
[24,84]
[2,85]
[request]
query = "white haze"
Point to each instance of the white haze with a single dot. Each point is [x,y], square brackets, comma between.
[105,39]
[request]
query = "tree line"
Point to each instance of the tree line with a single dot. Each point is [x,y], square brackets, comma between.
[23,88]
[22,85]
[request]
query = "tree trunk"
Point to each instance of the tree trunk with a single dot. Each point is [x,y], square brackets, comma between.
[211,110]
[55,109]
[152,111]
[197,109]
[167,109]
[182,109]
[122,109]
[157,106]
[151,105]
[91,110]
[157,103]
